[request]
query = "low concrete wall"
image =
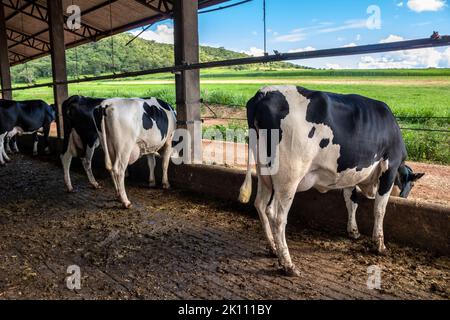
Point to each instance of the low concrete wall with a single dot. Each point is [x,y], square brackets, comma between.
[411,223]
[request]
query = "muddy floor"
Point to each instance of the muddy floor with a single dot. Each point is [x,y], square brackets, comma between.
[175,245]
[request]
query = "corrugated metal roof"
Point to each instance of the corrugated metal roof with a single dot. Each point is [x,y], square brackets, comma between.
[27,22]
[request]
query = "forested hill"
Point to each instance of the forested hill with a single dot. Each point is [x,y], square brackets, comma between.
[96,58]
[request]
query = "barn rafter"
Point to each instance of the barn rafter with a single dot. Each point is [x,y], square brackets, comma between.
[31,41]
[161,6]
[27,22]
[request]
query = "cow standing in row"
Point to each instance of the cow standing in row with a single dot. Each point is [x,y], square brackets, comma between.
[24,117]
[131,128]
[80,136]
[326,141]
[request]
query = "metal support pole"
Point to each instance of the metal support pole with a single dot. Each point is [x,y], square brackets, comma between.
[5,73]
[58,53]
[188,81]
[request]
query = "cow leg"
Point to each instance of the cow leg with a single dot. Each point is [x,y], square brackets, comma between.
[15,148]
[151,167]
[350,201]
[46,143]
[35,144]
[263,197]
[3,152]
[2,143]
[166,155]
[278,212]
[386,184]
[7,145]
[66,160]
[120,176]
[87,165]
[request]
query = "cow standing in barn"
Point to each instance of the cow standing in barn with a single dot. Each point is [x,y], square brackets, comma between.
[325,141]
[131,128]
[24,117]
[80,136]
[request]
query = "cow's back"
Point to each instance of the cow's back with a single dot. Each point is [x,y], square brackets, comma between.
[365,129]
[33,115]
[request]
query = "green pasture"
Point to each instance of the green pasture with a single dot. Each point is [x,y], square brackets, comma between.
[411,93]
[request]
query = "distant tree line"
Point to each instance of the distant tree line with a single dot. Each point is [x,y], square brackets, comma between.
[99,58]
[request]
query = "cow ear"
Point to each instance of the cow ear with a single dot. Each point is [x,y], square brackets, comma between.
[417,176]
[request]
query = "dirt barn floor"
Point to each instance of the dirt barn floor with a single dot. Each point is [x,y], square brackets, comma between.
[176,245]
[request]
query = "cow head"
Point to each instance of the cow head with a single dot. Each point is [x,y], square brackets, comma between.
[51,111]
[405,180]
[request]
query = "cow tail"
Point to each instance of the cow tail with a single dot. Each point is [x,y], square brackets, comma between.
[246,189]
[108,162]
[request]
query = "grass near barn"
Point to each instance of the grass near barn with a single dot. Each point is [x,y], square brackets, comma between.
[410,93]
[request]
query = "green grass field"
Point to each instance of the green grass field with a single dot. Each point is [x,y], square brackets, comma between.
[416,93]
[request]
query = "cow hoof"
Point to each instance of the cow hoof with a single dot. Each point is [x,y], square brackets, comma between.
[152,185]
[96,186]
[128,205]
[292,271]
[35,154]
[355,235]
[379,246]
[166,186]
[2,164]
[72,190]
[381,250]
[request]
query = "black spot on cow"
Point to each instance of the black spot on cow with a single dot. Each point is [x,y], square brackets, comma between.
[154,114]
[266,110]
[361,127]
[165,105]
[324,143]
[312,132]
[354,197]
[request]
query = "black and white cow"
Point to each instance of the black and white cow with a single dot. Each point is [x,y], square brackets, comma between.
[131,128]
[80,136]
[326,141]
[24,117]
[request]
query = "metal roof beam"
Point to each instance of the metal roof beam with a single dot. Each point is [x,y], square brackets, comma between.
[20,38]
[160,6]
[40,13]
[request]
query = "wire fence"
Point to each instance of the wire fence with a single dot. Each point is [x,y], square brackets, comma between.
[446,121]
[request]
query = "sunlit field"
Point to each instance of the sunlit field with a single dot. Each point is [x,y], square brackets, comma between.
[409,93]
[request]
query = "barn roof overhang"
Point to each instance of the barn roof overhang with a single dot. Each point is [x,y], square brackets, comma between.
[28,31]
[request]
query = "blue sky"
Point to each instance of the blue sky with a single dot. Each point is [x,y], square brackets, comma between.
[295,25]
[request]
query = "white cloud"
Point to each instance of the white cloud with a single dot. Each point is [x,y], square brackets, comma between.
[358,37]
[253,51]
[418,58]
[349,24]
[294,36]
[300,34]
[349,45]
[426,5]
[163,34]
[333,66]
[392,38]
[302,49]
[400,4]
